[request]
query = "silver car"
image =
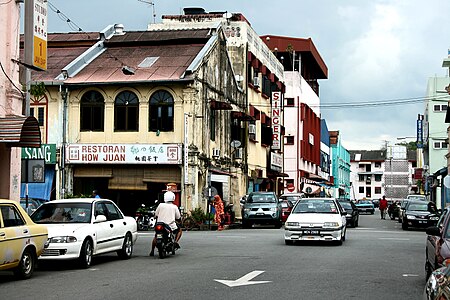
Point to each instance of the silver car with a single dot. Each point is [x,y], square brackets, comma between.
[261,208]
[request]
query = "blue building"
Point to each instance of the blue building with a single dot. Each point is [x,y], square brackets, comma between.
[340,167]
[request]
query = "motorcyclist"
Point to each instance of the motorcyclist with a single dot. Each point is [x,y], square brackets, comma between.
[168,213]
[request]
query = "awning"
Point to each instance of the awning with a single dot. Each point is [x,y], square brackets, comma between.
[20,131]
[220,105]
[42,190]
[241,116]
[276,174]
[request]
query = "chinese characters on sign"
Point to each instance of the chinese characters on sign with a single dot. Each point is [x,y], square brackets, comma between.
[40,34]
[124,154]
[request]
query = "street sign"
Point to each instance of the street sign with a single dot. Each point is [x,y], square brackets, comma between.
[36,33]
[290,187]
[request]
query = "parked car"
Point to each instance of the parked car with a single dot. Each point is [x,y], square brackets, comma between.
[261,208]
[352,212]
[81,228]
[286,208]
[32,205]
[438,243]
[316,219]
[292,197]
[21,240]
[416,214]
[438,285]
[365,206]
[376,203]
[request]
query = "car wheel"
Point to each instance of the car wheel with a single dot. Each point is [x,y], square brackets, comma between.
[86,252]
[127,247]
[404,226]
[26,265]
[289,242]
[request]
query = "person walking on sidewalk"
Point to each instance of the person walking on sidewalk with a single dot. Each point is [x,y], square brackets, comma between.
[383,207]
[219,214]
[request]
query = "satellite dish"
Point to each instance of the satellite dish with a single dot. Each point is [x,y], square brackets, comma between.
[235,144]
[227,15]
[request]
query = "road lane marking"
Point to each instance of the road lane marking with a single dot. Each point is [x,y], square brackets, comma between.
[410,275]
[244,280]
[393,238]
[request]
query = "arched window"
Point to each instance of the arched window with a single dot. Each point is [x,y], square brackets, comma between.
[161,111]
[126,112]
[92,111]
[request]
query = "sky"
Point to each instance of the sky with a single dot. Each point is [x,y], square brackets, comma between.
[376,51]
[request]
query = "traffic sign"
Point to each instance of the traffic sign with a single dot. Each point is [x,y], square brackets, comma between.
[290,187]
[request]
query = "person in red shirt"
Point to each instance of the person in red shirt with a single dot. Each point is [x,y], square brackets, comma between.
[383,207]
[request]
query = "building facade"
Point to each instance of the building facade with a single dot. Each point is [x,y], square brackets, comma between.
[340,167]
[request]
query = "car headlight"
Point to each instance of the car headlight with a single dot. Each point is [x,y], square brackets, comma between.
[273,209]
[292,224]
[246,209]
[409,217]
[330,224]
[434,218]
[62,239]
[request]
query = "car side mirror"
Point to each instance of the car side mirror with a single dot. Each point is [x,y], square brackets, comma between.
[433,230]
[100,218]
[343,212]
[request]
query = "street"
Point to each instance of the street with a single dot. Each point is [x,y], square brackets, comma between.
[378,261]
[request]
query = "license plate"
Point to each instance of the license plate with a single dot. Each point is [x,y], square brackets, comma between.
[311,232]
[159,236]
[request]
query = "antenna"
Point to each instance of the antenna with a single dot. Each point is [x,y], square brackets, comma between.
[153,8]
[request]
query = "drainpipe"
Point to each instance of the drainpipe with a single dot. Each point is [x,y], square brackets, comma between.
[64,92]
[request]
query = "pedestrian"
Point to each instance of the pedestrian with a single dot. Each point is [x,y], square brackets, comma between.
[95,194]
[219,212]
[383,207]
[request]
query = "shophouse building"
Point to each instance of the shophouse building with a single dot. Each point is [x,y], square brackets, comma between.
[132,112]
[340,166]
[303,67]
[260,75]
[16,128]
[436,137]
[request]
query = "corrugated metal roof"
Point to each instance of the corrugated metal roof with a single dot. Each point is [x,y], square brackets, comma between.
[20,131]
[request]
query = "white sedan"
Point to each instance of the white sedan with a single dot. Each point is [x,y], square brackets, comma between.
[81,228]
[313,219]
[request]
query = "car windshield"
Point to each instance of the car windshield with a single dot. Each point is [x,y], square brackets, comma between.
[364,202]
[418,206]
[316,206]
[261,198]
[417,197]
[346,205]
[63,213]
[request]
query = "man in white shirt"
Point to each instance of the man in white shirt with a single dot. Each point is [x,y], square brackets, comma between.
[168,213]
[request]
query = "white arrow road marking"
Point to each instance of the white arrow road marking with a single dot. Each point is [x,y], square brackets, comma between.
[410,275]
[244,280]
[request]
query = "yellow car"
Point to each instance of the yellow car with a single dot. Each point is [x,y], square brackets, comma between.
[21,240]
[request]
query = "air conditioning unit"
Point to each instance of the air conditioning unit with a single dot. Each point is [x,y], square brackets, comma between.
[216,152]
[256,82]
[238,153]
[252,129]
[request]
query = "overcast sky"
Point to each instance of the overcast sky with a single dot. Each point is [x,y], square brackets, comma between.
[375,50]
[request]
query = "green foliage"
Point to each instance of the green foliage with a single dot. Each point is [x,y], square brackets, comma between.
[38,90]
[70,196]
[198,215]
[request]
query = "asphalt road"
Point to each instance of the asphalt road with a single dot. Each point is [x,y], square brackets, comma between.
[378,261]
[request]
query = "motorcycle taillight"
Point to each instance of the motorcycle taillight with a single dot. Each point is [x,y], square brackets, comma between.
[159,227]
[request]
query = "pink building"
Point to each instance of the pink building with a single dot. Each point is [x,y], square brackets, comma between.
[16,130]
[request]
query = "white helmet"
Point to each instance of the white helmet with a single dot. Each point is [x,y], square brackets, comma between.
[169,196]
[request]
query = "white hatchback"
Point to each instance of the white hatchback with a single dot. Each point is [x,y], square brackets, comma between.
[316,219]
[81,228]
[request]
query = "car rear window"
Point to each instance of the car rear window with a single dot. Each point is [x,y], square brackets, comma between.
[418,207]
[346,205]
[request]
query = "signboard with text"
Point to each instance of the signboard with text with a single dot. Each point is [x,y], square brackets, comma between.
[47,152]
[276,120]
[124,154]
[36,33]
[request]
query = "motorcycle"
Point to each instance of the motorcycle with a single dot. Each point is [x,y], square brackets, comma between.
[165,240]
[145,217]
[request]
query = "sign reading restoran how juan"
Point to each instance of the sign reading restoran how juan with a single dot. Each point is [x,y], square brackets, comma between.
[124,154]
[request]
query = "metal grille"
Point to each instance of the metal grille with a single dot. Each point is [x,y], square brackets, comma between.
[396,179]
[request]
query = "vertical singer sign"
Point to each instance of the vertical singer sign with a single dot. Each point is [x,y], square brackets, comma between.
[276,120]
[36,33]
